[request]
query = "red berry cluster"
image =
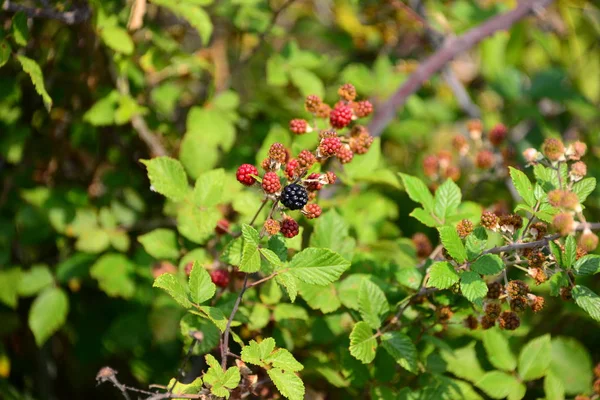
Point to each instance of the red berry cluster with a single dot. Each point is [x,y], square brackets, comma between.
[340,139]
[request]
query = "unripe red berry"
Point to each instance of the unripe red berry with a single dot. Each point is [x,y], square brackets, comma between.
[553,149]
[497,134]
[289,228]
[244,173]
[344,154]
[422,244]
[271,183]
[312,211]
[312,103]
[509,320]
[299,126]
[306,159]
[340,116]
[452,172]
[188,268]
[220,277]
[347,92]
[323,111]
[222,227]
[484,159]
[292,169]
[331,177]
[278,152]
[363,108]
[313,182]
[163,267]
[577,150]
[329,146]
[430,165]
[272,227]
[459,142]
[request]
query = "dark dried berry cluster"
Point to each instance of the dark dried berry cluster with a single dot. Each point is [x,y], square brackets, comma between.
[509,320]
[517,288]
[495,290]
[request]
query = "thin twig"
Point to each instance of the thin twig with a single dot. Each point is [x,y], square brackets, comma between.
[258,211]
[452,47]
[68,17]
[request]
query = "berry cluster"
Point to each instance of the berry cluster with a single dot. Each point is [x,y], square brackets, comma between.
[339,139]
[488,154]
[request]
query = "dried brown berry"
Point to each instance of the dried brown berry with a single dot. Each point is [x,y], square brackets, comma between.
[278,152]
[444,313]
[553,149]
[517,288]
[487,322]
[464,228]
[495,290]
[331,177]
[570,201]
[272,227]
[323,111]
[492,310]
[422,244]
[312,103]
[555,197]
[538,230]
[489,220]
[471,322]
[537,303]
[452,172]
[518,303]
[347,92]
[360,140]
[306,159]
[597,370]
[509,320]
[566,293]
[538,275]
[497,134]
[578,170]
[536,259]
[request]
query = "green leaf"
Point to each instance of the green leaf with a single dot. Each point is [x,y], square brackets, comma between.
[424,217]
[289,311]
[410,277]
[215,315]
[34,280]
[572,365]
[113,272]
[200,284]
[272,258]
[175,288]
[372,303]
[160,243]
[288,383]
[35,73]
[453,244]
[9,286]
[193,14]
[588,300]
[447,199]
[181,388]
[117,39]
[19,28]
[418,191]
[523,186]
[401,348]
[473,287]
[220,381]
[442,275]
[276,71]
[498,350]
[324,298]
[553,387]
[290,283]
[488,264]
[308,82]
[48,313]
[250,254]
[463,363]
[318,266]
[535,358]
[283,359]
[167,177]
[211,333]
[570,251]
[255,353]
[94,240]
[476,242]
[5,52]
[332,232]
[363,344]
[208,190]
[197,224]
[584,188]
[499,385]
[588,265]
[102,113]
[259,317]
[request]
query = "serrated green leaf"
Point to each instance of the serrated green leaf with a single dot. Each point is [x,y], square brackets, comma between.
[48,313]
[476,242]
[418,191]
[34,280]
[215,315]
[372,303]
[318,266]
[424,217]
[160,243]
[499,385]
[401,348]
[584,188]
[167,177]
[570,253]
[572,365]
[488,264]
[324,298]
[442,275]
[200,284]
[35,73]
[208,189]
[535,358]
[498,350]
[447,199]
[197,224]
[588,265]
[113,273]
[290,283]
[250,252]
[331,232]
[193,322]
[174,287]
[587,300]
[271,257]
[182,388]
[453,244]
[288,383]
[283,359]
[523,186]
[363,344]
[473,287]
[220,381]
[19,28]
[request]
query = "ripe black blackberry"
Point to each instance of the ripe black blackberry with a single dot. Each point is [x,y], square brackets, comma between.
[294,196]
